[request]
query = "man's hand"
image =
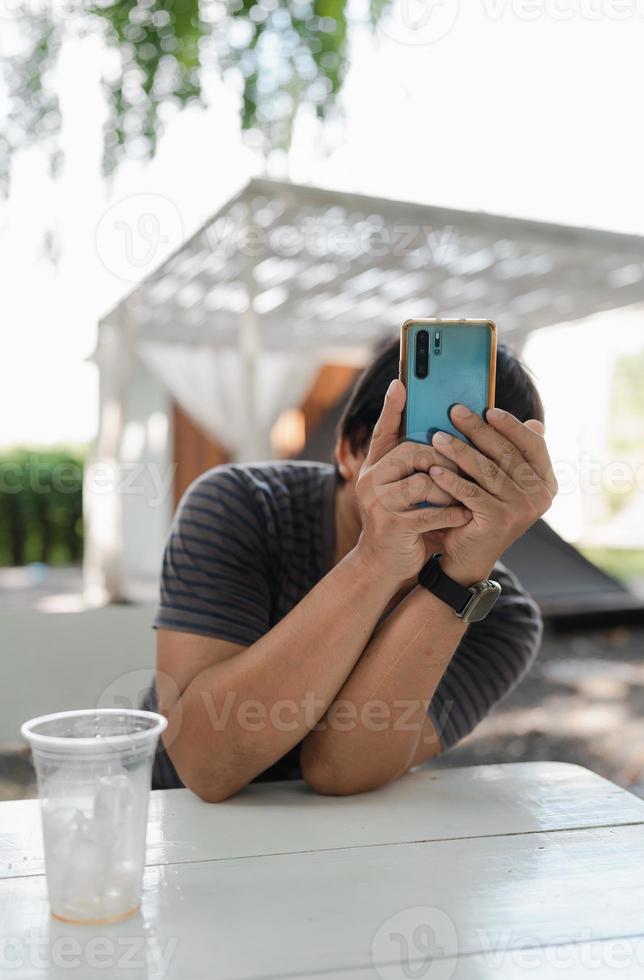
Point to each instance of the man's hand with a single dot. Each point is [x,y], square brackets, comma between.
[507,483]
[393,480]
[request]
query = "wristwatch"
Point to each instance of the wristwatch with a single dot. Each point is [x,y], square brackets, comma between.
[470,604]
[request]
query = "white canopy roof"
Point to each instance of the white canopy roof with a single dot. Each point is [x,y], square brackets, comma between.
[235,324]
[321,268]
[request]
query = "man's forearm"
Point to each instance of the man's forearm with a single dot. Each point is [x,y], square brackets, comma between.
[371,733]
[238,717]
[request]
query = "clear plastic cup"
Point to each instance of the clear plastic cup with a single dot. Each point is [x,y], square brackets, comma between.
[94,772]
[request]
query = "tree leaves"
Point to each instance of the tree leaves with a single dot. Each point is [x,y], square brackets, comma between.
[281,54]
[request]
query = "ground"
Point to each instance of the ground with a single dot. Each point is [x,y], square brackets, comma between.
[582,702]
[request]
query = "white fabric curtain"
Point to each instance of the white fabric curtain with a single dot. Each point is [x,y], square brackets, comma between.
[210,385]
[102,503]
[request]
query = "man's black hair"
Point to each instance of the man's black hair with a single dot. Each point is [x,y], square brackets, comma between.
[515,392]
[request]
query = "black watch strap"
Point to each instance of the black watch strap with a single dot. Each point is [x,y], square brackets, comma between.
[433,578]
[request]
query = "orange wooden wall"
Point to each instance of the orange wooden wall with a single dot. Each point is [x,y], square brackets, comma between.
[194,451]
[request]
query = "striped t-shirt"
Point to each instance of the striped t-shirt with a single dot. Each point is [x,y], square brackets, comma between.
[250,541]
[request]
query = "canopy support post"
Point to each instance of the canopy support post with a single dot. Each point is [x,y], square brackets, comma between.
[257,441]
[103,571]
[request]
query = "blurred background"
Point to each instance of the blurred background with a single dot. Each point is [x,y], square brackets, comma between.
[213,212]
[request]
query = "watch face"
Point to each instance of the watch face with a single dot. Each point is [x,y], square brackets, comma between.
[481,602]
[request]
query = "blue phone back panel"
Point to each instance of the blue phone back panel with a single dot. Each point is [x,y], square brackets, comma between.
[460,373]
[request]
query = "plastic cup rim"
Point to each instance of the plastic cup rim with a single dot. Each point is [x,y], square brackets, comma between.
[38,740]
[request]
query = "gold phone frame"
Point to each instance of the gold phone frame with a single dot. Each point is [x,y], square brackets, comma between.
[438,322]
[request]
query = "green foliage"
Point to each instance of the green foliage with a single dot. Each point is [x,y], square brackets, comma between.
[159,52]
[627,404]
[33,115]
[627,419]
[281,55]
[626,564]
[41,507]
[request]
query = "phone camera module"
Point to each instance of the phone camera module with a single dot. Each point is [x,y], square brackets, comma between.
[421,359]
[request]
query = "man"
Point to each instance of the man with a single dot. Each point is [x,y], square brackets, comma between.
[294,637]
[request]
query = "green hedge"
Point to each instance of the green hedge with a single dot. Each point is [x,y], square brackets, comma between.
[41,507]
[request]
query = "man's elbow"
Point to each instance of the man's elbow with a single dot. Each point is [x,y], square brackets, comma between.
[208,786]
[326,784]
[213,791]
[328,781]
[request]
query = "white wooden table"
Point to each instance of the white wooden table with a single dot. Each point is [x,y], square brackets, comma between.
[533,869]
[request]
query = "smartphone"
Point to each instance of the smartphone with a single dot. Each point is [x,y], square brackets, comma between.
[443,362]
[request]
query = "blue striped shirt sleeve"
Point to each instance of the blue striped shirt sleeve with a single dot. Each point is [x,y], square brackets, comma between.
[490,660]
[215,576]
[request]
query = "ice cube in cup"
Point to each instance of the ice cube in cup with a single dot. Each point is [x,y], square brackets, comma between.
[81,883]
[94,770]
[114,800]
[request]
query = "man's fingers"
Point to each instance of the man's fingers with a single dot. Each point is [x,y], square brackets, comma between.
[436,518]
[481,468]
[408,458]
[386,431]
[528,437]
[413,490]
[465,491]
[494,446]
